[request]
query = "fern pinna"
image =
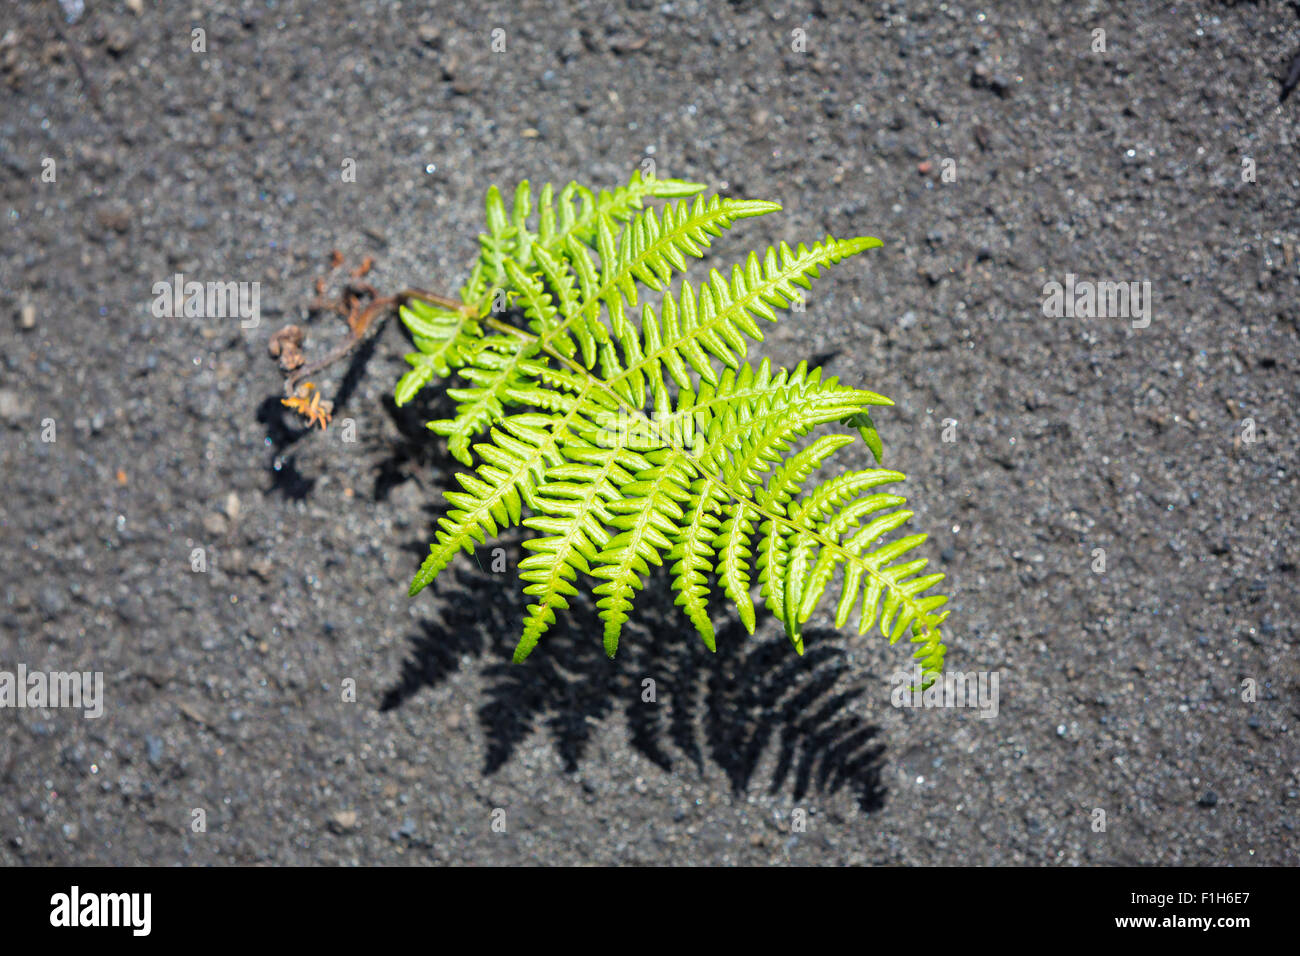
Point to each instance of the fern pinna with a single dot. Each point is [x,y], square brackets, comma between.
[625,440]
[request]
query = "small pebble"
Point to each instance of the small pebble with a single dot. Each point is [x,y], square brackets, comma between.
[343,821]
[154,750]
[73,9]
[51,601]
[12,405]
[119,41]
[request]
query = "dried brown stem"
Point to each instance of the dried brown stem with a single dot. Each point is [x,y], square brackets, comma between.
[364,321]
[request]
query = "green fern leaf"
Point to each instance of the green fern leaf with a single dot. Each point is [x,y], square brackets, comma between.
[444,338]
[509,237]
[626,434]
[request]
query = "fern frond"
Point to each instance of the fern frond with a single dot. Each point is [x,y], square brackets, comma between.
[493,371]
[444,338]
[649,251]
[575,512]
[716,319]
[732,544]
[693,549]
[650,439]
[509,237]
[514,462]
[647,512]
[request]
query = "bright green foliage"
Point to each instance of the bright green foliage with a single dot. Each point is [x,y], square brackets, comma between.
[628,433]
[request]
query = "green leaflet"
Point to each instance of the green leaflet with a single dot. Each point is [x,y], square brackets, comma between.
[614,413]
[444,338]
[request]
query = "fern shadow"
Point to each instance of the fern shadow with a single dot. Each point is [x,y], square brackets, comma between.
[754,704]
[282,468]
[413,453]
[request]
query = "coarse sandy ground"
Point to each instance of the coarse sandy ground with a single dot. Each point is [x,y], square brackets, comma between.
[1120,691]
